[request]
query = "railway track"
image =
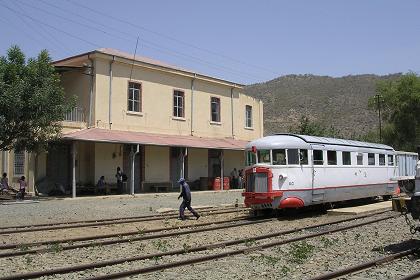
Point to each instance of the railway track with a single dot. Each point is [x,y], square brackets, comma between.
[91,223]
[369,264]
[197,228]
[202,248]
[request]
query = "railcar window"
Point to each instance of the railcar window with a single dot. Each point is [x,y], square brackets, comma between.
[359,159]
[346,158]
[371,159]
[292,156]
[264,156]
[381,159]
[279,157]
[332,157]
[318,157]
[303,157]
[250,158]
[391,160]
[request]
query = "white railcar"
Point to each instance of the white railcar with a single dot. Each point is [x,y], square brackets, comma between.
[292,171]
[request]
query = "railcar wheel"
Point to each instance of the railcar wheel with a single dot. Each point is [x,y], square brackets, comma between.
[386,197]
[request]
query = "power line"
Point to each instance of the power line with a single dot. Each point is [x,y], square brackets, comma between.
[171,38]
[146,42]
[40,43]
[51,39]
[49,25]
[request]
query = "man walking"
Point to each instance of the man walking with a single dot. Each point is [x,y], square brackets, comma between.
[186,202]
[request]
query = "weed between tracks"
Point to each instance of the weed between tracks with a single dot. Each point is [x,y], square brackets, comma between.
[327,242]
[28,259]
[55,247]
[161,245]
[300,252]
[23,247]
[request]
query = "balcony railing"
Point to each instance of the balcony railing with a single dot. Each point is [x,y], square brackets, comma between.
[75,115]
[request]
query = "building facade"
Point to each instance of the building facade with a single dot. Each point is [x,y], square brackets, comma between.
[155,121]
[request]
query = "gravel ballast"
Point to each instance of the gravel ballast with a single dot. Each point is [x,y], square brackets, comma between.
[298,260]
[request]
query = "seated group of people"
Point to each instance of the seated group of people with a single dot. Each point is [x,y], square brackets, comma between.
[5,187]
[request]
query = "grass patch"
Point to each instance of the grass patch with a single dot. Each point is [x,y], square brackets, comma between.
[161,245]
[300,252]
[55,248]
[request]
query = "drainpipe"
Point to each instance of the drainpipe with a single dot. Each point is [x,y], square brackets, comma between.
[133,156]
[192,102]
[110,93]
[231,110]
[90,122]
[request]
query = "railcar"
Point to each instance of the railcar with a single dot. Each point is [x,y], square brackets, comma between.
[293,171]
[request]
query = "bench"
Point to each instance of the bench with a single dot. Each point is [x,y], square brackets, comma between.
[150,185]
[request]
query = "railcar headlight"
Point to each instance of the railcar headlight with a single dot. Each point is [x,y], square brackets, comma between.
[282,176]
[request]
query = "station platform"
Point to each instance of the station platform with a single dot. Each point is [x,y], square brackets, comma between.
[362,209]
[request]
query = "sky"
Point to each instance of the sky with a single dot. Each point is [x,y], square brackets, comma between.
[239,40]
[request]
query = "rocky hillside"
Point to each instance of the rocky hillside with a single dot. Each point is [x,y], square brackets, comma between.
[338,102]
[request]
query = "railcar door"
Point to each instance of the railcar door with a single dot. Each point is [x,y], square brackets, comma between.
[318,172]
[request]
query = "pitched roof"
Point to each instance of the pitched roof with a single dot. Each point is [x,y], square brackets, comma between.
[79,61]
[130,137]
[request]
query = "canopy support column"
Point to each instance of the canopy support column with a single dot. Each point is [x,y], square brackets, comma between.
[133,154]
[73,169]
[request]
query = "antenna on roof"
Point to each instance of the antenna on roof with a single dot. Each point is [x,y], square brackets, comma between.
[134,58]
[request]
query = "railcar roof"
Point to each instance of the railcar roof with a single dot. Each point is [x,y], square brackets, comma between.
[304,141]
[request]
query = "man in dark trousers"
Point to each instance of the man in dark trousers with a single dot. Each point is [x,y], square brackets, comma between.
[186,202]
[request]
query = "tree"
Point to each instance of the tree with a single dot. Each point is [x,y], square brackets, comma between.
[400,103]
[32,101]
[307,127]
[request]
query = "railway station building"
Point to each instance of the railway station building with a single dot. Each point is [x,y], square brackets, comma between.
[156,121]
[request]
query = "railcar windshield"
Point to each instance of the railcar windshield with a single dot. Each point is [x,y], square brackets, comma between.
[251,159]
[264,156]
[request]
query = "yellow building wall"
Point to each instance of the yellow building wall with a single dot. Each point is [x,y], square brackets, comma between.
[77,84]
[156,163]
[156,114]
[85,162]
[107,159]
[197,164]
[232,159]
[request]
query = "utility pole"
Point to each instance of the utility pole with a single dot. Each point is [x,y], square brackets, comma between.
[378,100]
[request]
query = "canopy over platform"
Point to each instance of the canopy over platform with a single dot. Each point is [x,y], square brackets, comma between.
[131,137]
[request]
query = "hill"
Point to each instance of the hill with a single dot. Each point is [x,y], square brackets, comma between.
[338,102]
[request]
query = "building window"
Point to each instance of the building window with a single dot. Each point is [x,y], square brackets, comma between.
[318,157]
[346,158]
[19,164]
[332,157]
[134,97]
[179,104]
[381,159]
[371,159]
[248,116]
[215,109]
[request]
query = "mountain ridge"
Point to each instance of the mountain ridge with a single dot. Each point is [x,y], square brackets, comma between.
[340,102]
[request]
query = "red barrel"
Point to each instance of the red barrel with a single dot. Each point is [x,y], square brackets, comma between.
[226,183]
[216,184]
